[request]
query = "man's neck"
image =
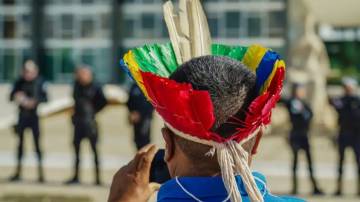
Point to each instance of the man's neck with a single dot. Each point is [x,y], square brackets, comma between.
[196,173]
[189,169]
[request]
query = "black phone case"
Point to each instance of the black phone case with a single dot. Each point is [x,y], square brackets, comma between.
[159,171]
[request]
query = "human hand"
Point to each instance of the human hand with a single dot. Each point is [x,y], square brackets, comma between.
[134,117]
[19,97]
[131,182]
[30,103]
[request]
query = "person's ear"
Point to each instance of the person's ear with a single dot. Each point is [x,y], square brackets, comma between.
[169,144]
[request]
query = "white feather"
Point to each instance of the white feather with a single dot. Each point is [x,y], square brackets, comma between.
[172,23]
[185,26]
[201,38]
[189,31]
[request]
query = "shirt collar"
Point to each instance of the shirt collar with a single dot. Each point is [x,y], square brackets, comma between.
[205,187]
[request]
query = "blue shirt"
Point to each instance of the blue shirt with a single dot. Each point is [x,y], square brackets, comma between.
[212,189]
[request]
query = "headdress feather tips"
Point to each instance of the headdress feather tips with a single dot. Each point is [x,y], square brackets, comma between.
[190,113]
[189,31]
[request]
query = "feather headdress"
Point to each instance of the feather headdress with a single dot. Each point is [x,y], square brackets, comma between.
[191,114]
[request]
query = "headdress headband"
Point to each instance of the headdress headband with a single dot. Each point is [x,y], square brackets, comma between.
[189,113]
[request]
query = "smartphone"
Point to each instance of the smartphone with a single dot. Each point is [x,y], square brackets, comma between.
[159,171]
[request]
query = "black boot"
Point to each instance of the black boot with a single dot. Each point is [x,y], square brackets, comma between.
[339,187]
[75,179]
[17,176]
[97,175]
[338,192]
[358,186]
[98,181]
[316,190]
[294,187]
[41,178]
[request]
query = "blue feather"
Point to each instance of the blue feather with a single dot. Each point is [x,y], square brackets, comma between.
[265,68]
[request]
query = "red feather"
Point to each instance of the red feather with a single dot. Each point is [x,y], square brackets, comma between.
[259,111]
[191,111]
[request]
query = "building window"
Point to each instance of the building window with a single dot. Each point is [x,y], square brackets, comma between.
[11,60]
[67,26]
[9,27]
[254,26]
[148,1]
[105,25]
[1,27]
[148,24]
[68,63]
[9,2]
[164,31]
[241,0]
[60,64]
[277,23]
[148,21]
[87,28]
[25,26]
[50,62]
[88,58]
[213,24]
[232,24]
[129,26]
[87,1]
[63,2]
[49,27]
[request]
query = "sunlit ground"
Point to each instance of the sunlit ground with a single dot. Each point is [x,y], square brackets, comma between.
[116,148]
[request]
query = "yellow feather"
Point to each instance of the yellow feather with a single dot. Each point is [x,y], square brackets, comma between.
[278,64]
[135,72]
[253,56]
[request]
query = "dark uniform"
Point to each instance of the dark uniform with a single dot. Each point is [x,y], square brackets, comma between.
[300,116]
[89,100]
[28,118]
[138,103]
[348,108]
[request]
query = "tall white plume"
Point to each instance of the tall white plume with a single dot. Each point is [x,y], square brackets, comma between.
[189,30]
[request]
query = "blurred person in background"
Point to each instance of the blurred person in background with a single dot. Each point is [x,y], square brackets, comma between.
[89,100]
[28,92]
[140,116]
[348,109]
[300,116]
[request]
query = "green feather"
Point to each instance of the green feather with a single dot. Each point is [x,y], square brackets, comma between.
[160,59]
[155,55]
[220,50]
[238,53]
[149,59]
[168,57]
[143,59]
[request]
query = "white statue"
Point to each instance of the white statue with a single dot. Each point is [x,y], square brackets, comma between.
[310,64]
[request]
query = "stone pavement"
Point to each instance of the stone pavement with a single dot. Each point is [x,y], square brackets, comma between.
[116,148]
